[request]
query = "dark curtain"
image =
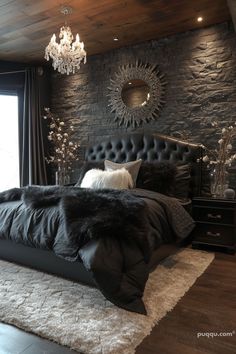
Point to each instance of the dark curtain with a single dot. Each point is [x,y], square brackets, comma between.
[32,161]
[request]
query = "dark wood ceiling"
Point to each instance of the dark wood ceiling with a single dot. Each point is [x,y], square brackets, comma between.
[26,26]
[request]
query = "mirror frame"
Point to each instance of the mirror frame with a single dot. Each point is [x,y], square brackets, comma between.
[137,115]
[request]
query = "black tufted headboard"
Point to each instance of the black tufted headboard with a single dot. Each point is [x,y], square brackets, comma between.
[149,147]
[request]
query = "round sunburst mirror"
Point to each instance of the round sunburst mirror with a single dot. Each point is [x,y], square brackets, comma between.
[136,94]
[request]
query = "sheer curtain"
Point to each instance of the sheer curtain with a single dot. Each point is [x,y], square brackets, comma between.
[32,162]
[9,147]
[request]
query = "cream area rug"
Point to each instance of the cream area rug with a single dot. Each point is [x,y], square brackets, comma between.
[80,317]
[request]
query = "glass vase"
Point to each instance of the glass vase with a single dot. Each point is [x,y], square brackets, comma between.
[219,181]
[62,177]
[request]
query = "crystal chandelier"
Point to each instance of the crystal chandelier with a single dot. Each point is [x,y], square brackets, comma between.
[67,55]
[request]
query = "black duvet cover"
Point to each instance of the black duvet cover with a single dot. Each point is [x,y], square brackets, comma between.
[112,232]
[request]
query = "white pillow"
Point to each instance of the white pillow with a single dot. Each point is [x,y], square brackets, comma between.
[97,179]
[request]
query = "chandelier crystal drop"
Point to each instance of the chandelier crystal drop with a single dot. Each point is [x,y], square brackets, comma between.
[67,55]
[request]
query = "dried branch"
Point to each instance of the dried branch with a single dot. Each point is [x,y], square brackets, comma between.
[65,151]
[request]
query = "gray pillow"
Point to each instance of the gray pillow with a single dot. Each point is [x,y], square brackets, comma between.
[132,167]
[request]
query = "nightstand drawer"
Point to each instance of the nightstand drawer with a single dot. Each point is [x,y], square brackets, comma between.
[214,215]
[215,234]
[215,223]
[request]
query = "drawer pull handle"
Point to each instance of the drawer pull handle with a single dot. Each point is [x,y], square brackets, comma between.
[214,234]
[212,216]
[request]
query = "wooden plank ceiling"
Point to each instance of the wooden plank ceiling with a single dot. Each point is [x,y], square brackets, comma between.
[26,26]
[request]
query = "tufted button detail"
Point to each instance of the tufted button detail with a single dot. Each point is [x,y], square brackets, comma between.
[123,156]
[129,146]
[119,146]
[112,155]
[155,156]
[144,156]
[152,145]
[161,145]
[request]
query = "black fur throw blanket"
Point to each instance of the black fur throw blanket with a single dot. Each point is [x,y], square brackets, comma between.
[89,214]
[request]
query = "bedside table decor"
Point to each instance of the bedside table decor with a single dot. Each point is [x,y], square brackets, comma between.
[229,193]
[220,159]
[215,223]
[219,179]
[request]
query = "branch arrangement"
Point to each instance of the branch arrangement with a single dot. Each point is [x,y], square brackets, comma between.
[221,158]
[222,155]
[64,149]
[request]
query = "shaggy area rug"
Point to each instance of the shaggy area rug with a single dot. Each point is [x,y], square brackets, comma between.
[80,317]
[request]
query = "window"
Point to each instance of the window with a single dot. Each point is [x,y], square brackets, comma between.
[9,142]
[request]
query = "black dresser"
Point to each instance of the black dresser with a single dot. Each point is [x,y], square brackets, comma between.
[215,224]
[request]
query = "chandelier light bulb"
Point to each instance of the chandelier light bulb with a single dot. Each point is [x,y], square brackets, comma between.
[53,39]
[67,55]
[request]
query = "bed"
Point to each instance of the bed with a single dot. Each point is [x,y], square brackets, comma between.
[136,253]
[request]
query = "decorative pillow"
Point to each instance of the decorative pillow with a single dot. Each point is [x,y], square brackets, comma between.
[157,176]
[182,182]
[84,166]
[132,167]
[98,179]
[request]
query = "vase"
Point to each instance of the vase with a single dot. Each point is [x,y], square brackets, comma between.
[229,193]
[62,177]
[219,181]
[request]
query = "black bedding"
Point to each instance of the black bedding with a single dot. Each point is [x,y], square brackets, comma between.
[112,232]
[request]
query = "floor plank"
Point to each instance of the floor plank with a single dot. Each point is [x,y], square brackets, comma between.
[209,306]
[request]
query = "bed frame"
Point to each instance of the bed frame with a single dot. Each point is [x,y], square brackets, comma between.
[149,147]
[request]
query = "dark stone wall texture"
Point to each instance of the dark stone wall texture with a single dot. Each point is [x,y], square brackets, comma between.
[200,70]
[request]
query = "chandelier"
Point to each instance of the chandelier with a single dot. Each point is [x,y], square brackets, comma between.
[67,55]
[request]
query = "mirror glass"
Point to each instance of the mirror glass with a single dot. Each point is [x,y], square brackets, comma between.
[135,93]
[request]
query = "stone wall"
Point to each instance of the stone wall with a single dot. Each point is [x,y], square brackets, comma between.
[200,69]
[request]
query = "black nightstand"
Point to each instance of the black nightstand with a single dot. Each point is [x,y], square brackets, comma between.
[215,223]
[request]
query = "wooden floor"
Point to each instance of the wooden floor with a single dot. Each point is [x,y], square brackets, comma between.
[208,307]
